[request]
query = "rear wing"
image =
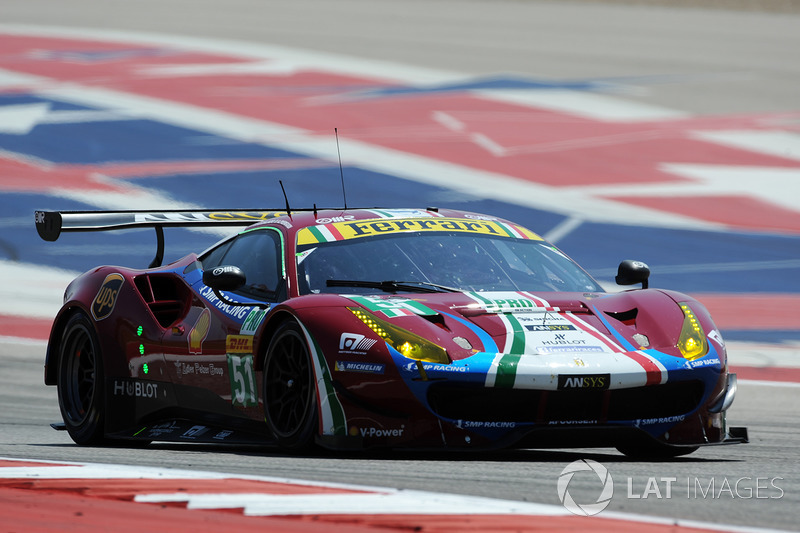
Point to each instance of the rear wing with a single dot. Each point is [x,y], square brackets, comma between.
[50,224]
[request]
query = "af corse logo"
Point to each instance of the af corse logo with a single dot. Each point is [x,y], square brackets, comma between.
[355,343]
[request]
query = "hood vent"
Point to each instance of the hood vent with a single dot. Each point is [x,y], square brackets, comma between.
[626,317]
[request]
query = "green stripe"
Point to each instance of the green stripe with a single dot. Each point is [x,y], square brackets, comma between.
[389,306]
[508,232]
[507,371]
[337,412]
[507,367]
[488,303]
[317,234]
[283,246]
[420,309]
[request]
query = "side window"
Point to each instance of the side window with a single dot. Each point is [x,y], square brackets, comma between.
[258,254]
[213,257]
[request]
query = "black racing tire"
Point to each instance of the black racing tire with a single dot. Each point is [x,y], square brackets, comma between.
[654,450]
[80,381]
[289,389]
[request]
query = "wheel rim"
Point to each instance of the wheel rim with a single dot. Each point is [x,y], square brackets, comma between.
[79,377]
[288,385]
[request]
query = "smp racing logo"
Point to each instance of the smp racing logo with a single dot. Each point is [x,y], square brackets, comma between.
[106,297]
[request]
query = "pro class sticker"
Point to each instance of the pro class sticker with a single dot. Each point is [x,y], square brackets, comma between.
[106,297]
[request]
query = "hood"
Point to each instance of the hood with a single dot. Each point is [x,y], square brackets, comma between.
[497,322]
[536,324]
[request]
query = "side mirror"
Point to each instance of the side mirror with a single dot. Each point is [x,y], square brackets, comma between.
[224,278]
[632,272]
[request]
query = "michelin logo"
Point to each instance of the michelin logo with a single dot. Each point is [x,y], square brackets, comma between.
[354,366]
[355,343]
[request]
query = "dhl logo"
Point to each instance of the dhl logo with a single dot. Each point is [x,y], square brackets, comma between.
[239,344]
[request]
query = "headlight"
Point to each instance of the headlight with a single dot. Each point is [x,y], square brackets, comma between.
[692,342]
[408,344]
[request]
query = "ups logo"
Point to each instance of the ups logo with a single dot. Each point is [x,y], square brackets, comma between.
[106,297]
[584,381]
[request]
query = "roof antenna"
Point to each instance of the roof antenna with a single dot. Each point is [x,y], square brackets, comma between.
[288,210]
[315,210]
[341,172]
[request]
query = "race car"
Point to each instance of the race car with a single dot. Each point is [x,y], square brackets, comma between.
[380,328]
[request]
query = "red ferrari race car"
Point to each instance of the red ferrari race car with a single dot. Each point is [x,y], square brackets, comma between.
[363,328]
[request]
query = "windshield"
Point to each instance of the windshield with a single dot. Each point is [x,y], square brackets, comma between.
[451,260]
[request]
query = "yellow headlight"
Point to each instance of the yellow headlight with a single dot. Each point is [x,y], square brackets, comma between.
[692,342]
[408,344]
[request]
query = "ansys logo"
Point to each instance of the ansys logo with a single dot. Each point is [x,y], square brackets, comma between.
[585,465]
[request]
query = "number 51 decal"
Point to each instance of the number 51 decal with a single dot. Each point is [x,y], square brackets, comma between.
[243,380]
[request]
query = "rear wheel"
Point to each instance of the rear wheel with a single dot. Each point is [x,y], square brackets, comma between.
[80,381]
[290,406]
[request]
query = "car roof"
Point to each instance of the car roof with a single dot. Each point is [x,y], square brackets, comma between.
[296,221]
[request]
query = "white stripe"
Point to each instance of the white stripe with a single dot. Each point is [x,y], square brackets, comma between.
[584,104]
[541,371]
[491,375]
[541,301]
[511,229]
[325,411]
[509,333]
[778,143]
[563,229]
[36,291]
[609,342]
[589,328]
[769,383]
[326,233]
[390,502]
[661,367]
[403,501]
[370,157]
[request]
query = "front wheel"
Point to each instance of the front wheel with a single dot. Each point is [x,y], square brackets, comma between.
[290,406]
[80,381]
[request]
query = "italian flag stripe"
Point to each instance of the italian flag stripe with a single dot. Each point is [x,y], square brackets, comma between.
[393,313]
[507,371]
[509,231]
[331,414]
[480,299]
[540,302]
[580,324]
[335,234]
[514,348]
[655,375]
[316,233]
[518,232]
[491,375]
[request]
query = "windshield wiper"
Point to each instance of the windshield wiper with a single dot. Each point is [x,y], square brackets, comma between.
[392,286]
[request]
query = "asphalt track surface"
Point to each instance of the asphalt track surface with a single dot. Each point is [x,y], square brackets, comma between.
[714,485]
[740,66]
